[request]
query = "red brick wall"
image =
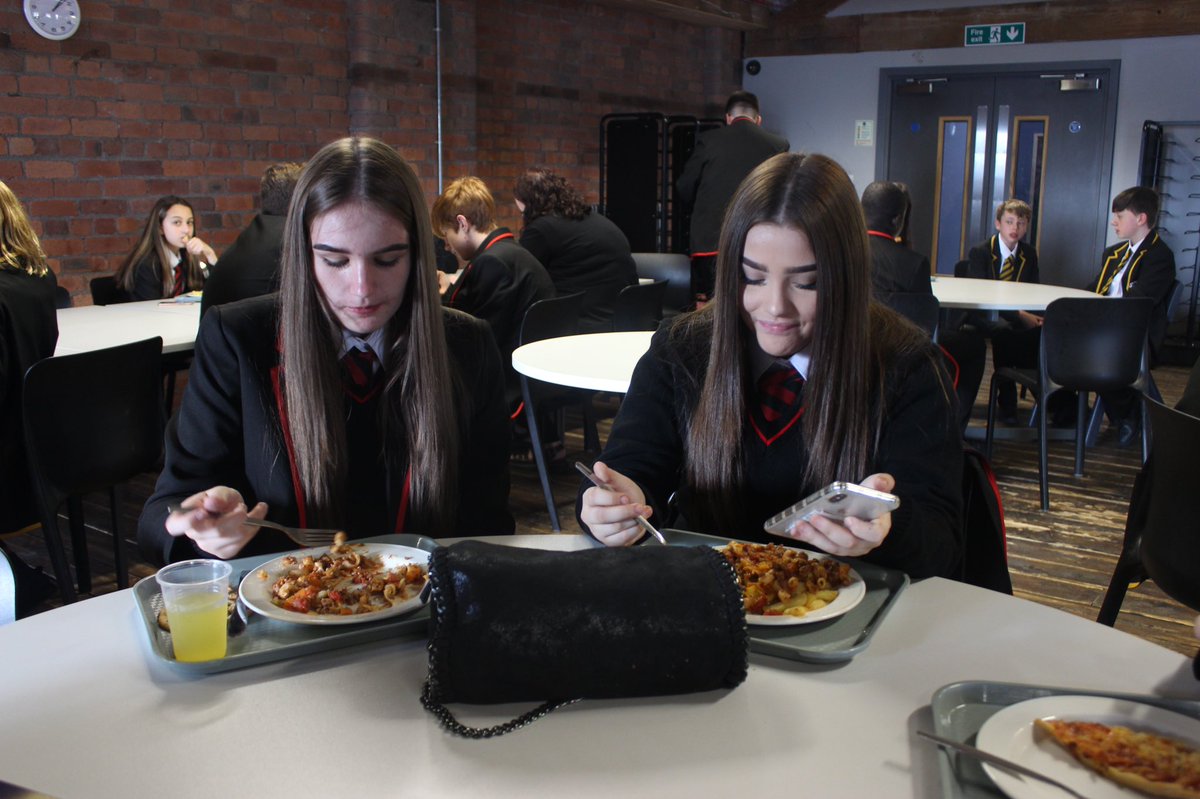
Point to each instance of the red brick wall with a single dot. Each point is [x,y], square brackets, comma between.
[148,99]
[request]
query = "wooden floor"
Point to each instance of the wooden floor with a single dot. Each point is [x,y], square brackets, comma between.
[1062,558]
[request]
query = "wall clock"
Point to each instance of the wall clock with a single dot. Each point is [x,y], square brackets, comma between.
[53,19]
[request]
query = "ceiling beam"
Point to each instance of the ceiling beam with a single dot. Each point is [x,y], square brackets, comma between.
[742,15]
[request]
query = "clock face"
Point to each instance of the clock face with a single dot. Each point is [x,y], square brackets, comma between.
[54,19]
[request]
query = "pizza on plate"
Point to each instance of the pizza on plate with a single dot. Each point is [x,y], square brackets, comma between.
[1146,762]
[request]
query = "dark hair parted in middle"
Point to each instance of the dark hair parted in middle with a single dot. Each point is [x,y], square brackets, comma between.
[544,192]
[417,411]
[853,340]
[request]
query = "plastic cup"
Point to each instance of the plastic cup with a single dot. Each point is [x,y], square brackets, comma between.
[196,595]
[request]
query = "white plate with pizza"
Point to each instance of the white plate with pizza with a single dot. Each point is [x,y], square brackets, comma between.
[848,596]
[1010,734]
[301,588]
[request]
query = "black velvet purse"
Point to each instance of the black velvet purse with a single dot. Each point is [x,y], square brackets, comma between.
[517,625]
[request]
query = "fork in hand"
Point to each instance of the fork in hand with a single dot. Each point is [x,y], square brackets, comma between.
[304,536]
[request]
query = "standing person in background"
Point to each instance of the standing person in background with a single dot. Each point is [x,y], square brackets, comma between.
[580,248]
[28,333]
[168,259]
[897,269]
[251,266]
[351,399]
[500,279]
[721,160]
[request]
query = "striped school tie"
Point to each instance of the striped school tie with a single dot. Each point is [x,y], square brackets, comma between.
[360,378]
[778,393]
[1009,268]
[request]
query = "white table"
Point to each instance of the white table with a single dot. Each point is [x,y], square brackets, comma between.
[88,713]
[997,295]
[92,327]
[599,361]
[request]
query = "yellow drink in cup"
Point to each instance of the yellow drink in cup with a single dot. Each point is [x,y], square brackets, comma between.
[195,594]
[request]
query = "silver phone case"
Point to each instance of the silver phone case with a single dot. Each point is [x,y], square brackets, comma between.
[837,501]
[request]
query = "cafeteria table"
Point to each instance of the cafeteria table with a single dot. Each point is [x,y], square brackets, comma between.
[970,293]
[598,361]
[84,328]
[89,712]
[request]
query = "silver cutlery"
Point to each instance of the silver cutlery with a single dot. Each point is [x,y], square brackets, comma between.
[641,520]
[996,760]
[304,536]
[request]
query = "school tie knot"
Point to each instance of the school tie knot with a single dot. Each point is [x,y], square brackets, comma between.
[1009,268]
[359,376]
[777,401]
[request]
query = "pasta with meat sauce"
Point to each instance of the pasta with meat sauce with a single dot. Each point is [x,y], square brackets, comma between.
[778,581]
[344,582]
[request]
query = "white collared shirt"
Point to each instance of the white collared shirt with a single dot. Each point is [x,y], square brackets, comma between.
[352,341]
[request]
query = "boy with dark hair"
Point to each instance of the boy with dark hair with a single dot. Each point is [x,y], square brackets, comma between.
[500,279]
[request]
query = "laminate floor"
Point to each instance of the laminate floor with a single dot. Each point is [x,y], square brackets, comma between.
[1062,558]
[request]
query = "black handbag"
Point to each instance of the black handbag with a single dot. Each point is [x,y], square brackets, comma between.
[515,625]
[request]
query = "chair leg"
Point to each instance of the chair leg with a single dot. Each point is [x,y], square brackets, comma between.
[83,568]
[535,441]
[1145,429]
[1043,455]
[993,393]
[1080,433]
[591,436]
[58,556]
[120,563]
[1125,573]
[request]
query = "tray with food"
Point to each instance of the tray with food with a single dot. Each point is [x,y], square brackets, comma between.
[308,601]
[1070,736]
[830,610]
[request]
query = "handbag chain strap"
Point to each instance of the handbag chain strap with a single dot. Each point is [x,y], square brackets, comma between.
[451,724]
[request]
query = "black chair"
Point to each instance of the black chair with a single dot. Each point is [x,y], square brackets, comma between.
[552,318]
[639,307]
[105,291]
[923,310]
[62,297]
[1088,344]
[1162,531]
[960,268]
[92,421]
[674,268]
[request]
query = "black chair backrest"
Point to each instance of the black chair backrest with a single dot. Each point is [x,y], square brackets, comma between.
[1096,344]
[1174,297]
[552,318]
[923,310]
[93,419]
[960,268]
[105,291]
[1166,500]
[62,297]
[639,307]
[676,269]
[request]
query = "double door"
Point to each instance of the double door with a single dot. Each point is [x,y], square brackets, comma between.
[964,140]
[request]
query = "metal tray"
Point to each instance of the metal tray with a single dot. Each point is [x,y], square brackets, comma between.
[265,640]
[961,708]
[833,641]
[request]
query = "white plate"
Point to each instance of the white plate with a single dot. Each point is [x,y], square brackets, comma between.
[1009,733]
[256,592]
[847,599]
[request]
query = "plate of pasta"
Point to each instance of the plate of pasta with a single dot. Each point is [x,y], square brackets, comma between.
[341,584]
[782,586]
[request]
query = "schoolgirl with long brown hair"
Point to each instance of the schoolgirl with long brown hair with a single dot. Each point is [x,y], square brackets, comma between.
[168,259]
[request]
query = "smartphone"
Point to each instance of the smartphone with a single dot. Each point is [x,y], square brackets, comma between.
[837,501]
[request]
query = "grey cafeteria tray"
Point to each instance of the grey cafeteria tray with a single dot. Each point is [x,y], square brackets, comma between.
[265,640]
[833,641]
[961,708]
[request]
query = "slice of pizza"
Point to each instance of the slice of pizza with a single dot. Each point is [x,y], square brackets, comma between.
[1149,763]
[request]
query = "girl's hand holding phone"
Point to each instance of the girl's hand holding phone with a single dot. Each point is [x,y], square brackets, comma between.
[850,538]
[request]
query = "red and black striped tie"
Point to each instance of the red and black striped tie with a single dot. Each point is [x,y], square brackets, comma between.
[359,375]
[177,289]
[778,396]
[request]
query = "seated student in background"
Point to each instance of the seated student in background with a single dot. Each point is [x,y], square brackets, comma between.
[168,259]
[895,268]
[1006,257]
[250,266]
[1140,265]
[790,379]
[351,399]
[580,248]
[500,279]
[28,333]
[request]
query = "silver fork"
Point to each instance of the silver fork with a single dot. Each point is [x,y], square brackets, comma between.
[304,536]
[996,760]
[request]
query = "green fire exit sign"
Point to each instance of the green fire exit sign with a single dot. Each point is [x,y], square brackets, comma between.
[1005,33]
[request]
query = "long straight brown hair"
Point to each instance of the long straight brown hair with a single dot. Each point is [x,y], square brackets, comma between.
[151,242]
[851,345]
[417,413]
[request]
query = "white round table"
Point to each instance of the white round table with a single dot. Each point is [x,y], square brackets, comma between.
[597,361]
[996,295]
